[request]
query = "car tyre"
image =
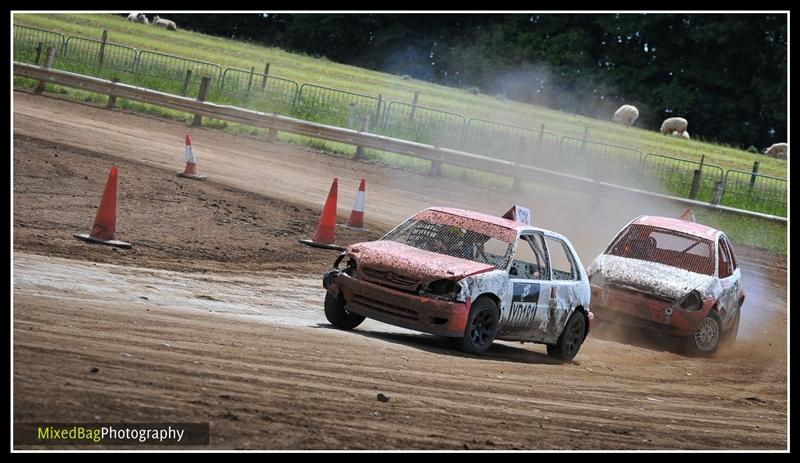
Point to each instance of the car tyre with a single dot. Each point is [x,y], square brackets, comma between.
[571,339]
[482,322]
[338,315]
[707,339]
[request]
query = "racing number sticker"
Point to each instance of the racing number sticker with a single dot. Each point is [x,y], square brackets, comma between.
[523,305]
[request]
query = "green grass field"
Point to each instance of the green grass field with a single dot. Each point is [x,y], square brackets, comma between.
[305,69]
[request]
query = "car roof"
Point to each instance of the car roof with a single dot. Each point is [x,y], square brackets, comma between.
[481,217]
[512,228]
[685,226]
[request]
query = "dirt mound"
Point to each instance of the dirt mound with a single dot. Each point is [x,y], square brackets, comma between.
[174,223]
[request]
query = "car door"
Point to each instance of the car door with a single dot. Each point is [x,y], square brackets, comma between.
[729,281]
[529,295]
[565,280]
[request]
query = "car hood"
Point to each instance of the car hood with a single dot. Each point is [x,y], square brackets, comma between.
[412,262]
[650,277]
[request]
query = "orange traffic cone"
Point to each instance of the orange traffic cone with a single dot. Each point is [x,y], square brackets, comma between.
[191,163]
[105,222]
[325,235]
[356,220]
[688,215]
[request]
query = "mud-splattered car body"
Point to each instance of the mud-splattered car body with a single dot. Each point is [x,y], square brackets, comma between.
[427,273]
[670,276]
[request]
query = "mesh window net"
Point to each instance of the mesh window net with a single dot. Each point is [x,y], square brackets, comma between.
[667,247]
[452,241]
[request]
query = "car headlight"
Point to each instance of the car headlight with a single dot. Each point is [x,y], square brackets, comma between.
[691,302]
[352,266]
[350,269]
[447,289]
[339,259]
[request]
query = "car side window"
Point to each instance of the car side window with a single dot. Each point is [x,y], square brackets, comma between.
[725,264]
[730,251]
[530,262]
[561,260]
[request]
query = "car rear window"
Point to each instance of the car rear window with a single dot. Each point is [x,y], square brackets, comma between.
[664,246]
[452,241]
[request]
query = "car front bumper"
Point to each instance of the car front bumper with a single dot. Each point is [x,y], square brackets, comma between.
[637,309]
[420,313]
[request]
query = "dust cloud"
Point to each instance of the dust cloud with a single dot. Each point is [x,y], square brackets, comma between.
[587,213]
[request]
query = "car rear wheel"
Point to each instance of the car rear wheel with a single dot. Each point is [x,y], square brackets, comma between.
[706,340]
[338,316]
[571,339]
[481,326]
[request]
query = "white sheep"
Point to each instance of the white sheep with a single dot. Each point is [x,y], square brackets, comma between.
[626,114]
[677,124]
[778,150]
[138,18]
[677,134]
[165,23]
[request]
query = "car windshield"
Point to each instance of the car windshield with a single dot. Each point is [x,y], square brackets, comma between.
[453,241]
[664,246]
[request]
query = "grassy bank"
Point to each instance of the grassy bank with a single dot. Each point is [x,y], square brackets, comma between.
[749,231]
[306,69]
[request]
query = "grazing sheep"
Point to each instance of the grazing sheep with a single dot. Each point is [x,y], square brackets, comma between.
[138,18]
[677,124]
[778,150]
[626,114]
[677,134]
[165,23]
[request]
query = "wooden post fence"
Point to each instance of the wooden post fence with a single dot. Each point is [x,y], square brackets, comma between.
[201,96]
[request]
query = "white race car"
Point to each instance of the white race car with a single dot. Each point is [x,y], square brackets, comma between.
[467,275]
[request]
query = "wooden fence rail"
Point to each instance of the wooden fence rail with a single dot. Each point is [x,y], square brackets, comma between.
[276,123]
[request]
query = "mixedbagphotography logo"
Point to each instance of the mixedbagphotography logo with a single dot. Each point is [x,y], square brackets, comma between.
[111,433]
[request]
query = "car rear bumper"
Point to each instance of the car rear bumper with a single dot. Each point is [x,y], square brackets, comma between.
[644,311]
[420,313]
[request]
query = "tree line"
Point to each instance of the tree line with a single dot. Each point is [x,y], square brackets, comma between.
[725,73]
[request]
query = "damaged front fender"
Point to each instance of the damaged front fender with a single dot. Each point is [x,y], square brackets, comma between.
[630,306]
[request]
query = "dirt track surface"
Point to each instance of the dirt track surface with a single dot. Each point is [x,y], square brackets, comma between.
[173,222]
[182,331]
[302,176]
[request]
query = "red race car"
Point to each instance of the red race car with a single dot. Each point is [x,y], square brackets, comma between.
[673,277]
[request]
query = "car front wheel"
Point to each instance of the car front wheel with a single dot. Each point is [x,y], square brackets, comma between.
[338,316]
[571,339]
[706,340]
[481,326]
